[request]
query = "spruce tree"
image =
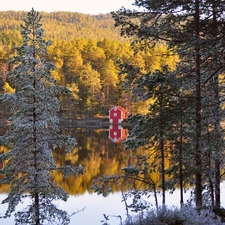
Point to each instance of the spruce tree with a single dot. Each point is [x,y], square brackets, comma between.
[33,133]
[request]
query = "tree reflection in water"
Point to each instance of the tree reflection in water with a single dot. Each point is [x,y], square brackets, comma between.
[99,155]
[95,151]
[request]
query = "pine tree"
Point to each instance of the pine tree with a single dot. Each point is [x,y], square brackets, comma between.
[194,31]
[33,133]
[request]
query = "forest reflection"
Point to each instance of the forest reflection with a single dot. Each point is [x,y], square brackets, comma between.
[95,151]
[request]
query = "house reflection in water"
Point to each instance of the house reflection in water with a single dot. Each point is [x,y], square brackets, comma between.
[117,133]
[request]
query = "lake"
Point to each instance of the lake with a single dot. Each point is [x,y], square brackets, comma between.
[99,154]
[94,206]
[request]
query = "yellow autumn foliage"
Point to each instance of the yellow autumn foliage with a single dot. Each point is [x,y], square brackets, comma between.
[8,89]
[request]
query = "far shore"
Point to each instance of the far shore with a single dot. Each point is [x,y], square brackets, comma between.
[91,123]
[95,122]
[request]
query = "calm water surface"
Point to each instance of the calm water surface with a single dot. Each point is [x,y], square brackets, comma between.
[99,155]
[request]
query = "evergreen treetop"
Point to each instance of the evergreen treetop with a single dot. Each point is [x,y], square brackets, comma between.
[33,133]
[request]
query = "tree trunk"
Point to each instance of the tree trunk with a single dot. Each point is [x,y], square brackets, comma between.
[35,151]
[37,213]
[162,151]
[198,169]
[217,124]
[181,162]
[217,149]
[210,168]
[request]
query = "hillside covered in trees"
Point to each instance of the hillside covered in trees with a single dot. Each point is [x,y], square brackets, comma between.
[85,50]
[60,25]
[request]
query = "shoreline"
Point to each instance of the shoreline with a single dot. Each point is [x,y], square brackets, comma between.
[83,123]
[91,123]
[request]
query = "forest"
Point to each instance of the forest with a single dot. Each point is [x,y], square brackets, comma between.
[88,63]
[166,68]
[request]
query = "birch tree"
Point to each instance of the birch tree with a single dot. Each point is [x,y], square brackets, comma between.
[33,133]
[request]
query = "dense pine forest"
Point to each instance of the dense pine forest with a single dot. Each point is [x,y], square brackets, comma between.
[61,25]
[87,51]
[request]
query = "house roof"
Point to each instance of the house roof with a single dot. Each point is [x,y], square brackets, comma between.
[118,107]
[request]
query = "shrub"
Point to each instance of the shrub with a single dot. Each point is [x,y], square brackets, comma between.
[175,216]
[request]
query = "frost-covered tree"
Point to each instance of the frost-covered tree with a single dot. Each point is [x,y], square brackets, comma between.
[33,133]
[195,31]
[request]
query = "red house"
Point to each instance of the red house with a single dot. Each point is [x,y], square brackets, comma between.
[117,114]
[117,133]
